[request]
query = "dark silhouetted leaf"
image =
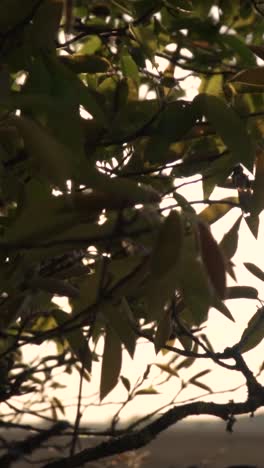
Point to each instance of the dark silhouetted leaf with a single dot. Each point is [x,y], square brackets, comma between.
[229,126]
[237,292]
[229,242]
[111,365]
[256,271]
[254,333]
[214,212]
[213,259]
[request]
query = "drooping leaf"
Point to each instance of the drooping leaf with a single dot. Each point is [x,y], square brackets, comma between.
[192,276]
[126,382]
[221,307]
[229,242]
[54,286]
[129,67]
[229,126]
[174,123]
[168,369]
[216,211]
[251,77]
[111,365]
[257,198]
[238,46]
[255,270]
[168,246]
[120,317]
[163,332]
[252,221]
[147,391]
[82,63]
[254,333]
[49,157]
[213,259]
[75,338]
[237,292]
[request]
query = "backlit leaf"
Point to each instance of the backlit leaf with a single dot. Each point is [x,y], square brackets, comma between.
[214,212]
[257,198]
[120,318]
[229,241]
[168,369]
[75,338]
[163,332]
[49,157]
[229,126]
[237,292]
[252,77]
[254,333]
[168,246]
[111,365]
[147,391]
[213,259]
[256,271]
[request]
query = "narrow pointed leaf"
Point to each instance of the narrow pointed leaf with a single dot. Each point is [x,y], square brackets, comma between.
[213,259]
[216,211]
[120,318]
[75,338]
[254,333]
[229,241]
[237,292]
[111,365]
[256,271]
[229,126]
[163,332]
[168,369]
[168,246]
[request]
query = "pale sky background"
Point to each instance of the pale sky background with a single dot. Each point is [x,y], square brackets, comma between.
[220,331]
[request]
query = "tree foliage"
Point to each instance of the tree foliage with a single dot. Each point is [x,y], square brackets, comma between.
[98,134]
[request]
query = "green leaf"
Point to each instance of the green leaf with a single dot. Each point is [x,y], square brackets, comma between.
[229,126]
[50,158]
[229,242]
[193,279]
[147,391]
[251,77]
[166,252]
[163,332]
[75,338]
[88,290]
[257,198]
[54,286]
[12,12]
[254,333]
[127,191]
[84,63]
[173,124]
[240,48]
[168,369]
[76,89]
[256,271]
[201,385]
[237,292]
[146,38]
[45,25]
[216,211]
[157,293]
[112,361]
[120,317]
[129,67]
